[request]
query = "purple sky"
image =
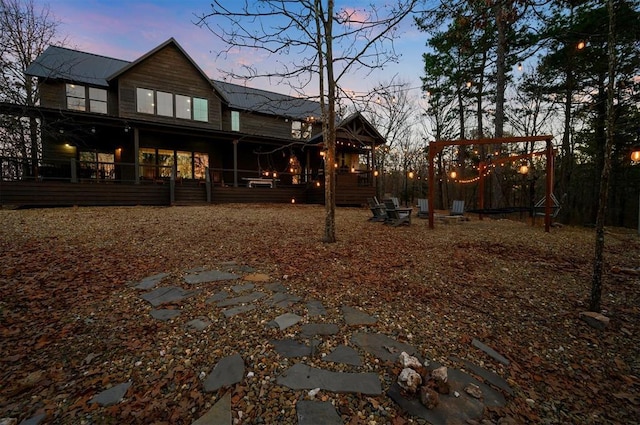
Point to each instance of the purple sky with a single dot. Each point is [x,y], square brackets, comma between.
[127,29]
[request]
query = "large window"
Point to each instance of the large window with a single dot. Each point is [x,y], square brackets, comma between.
[159,164]
[165,103]
[162,104]
[96,165]
[145,101]
[235,121]
[76,97]
[183,107]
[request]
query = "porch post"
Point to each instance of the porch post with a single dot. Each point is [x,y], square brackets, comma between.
[432,149]
[235,163]
[136,154]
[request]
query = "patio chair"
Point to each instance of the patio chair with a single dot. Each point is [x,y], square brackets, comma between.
[378,210]
[457,209]
[397,216]
[423,208]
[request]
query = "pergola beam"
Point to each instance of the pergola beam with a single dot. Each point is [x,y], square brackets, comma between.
[438,145]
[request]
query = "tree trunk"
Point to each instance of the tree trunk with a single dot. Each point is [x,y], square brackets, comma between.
[598,262]
[330,134]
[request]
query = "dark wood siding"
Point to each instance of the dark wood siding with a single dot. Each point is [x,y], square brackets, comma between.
[65,194]
[170,71]
[263,125]
[52,94]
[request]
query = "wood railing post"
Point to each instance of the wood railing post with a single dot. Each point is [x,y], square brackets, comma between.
[172,188]
[207,183]
[74,171]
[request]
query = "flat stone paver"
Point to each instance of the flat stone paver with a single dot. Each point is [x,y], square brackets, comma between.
[228,371]
[317,412]
[166,295]
[209,276]
[275,287]
[312,329]
[218,296]
[198,324]
[283,299]
[254,296]
[345,355]
[164,314]
[285,321]
[290,348]
[315,308]
[382,346]
[490,351]
[242,288]
[219,414]
[451,409]
[490,377]
[111,396]
[150,281]
[355,317]
[303,377]
[233,311]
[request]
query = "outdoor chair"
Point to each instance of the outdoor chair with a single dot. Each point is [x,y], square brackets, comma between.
[397,216]
[457,209]
[539,208]
[378,210]
[423,208]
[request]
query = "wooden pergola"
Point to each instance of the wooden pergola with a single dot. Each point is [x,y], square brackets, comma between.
[438,145]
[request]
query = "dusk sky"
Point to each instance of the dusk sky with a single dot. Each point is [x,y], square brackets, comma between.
[127,29]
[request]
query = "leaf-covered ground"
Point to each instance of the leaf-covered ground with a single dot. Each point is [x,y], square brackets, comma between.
[71,326]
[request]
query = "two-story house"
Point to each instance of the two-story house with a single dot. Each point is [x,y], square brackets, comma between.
[161,131]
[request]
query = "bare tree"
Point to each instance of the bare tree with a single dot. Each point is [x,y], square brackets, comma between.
[25,32]
[321,44]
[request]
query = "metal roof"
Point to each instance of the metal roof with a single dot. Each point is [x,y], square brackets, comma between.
[267,102]
[70,65]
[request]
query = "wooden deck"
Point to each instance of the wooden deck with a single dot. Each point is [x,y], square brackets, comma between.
[58,193]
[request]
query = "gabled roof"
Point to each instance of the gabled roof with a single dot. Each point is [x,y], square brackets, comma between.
[266,102]
[356,128]
[147,55]
[60,63]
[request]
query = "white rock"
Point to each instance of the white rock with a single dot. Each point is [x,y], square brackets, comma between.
[314,392]
[409,361]
[440,373]
[409,380]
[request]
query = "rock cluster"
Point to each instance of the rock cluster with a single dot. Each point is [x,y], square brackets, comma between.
[416,379]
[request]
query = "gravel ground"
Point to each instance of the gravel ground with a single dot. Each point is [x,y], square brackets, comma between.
[72,326]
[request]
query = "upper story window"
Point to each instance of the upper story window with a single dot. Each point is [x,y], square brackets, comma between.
[235,121]
[183,107]
[300,130]
[200,109]
[77,96]
[170,105]
[145,101]
[165,103]
[98,100]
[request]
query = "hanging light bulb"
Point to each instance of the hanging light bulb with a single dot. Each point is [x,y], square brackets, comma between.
[453,174]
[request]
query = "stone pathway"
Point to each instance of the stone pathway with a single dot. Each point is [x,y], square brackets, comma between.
[256,290]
